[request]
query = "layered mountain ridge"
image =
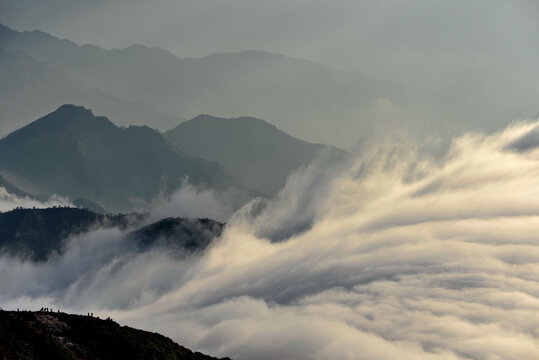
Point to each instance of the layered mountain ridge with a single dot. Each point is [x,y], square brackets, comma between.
[31,88]
[73,153]
[87,158]
[296,95]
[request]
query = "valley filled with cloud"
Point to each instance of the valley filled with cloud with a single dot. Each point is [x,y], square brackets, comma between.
[389,254]
[267,180]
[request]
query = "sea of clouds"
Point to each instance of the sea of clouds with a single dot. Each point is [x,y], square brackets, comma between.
[391,255]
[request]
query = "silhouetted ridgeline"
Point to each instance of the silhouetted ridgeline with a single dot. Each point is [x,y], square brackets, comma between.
[37,234]
[73,153]
[58,336]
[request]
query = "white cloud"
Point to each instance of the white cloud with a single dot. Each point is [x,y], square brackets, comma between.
[10,201]
[407,257]
[194,202]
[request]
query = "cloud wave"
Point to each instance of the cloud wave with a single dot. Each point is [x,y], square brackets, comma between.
[404,256]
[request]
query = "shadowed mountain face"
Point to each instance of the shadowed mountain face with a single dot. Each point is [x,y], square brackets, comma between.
[256,152]
[30,88]
[297,95]
[177,234]
[73,153]
[48,335]
[38,234]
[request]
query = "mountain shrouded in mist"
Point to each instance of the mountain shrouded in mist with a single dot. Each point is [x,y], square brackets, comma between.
[73,153]
[30,89]
[257,153]
[39,234]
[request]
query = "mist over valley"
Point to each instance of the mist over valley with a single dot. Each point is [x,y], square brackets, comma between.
[269,180]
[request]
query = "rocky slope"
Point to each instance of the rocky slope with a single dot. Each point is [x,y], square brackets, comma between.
[49,335]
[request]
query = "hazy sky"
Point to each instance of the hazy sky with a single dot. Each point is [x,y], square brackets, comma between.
[395,39]
[479,57]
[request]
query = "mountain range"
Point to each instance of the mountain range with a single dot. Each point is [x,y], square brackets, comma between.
[31,88]
[296,95]
[87,158]
[73,153]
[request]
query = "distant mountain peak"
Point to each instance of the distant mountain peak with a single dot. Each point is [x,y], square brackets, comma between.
[73,115]
[67,116]
[140,47]
[243,121]
[73,109]
[257,152]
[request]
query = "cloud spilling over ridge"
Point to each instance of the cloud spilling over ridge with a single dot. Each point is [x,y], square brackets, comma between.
[296,207]
[194,202]
[9,201]
[405,257]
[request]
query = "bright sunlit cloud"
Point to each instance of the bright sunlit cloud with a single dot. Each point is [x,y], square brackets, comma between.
[402,256]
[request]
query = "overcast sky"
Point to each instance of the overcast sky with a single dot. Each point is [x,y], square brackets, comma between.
[396,39]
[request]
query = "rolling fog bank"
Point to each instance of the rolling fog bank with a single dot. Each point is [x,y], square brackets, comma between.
[391,254]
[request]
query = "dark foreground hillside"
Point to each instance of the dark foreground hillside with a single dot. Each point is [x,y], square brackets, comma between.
[49,335]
